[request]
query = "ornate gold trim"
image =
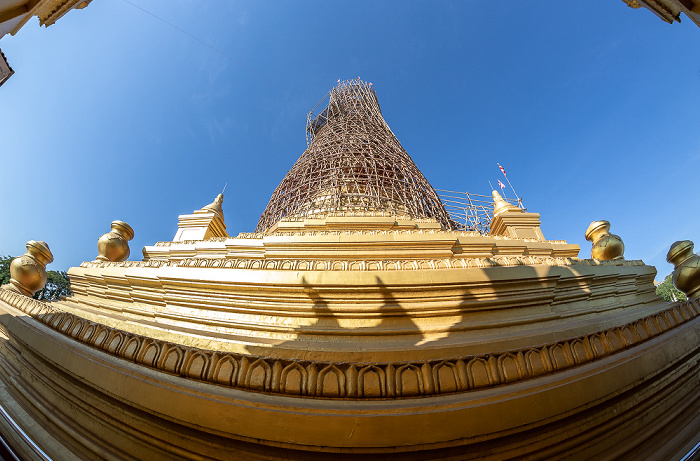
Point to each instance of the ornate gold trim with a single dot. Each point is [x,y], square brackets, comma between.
[260,236]
[52,10]
[354,380]
[362,265]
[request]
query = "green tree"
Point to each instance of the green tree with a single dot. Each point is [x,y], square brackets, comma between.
[57,285]
[5,269]
[57,282]
[668,292]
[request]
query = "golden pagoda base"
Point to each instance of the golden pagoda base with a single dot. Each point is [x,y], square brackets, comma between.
[75,401]
[353,337]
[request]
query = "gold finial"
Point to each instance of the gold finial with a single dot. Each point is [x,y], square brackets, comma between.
[605,245]
[501,206]
[686,272]
[632,4]
[28,272]
[114,245]
[215,206]
[202,224]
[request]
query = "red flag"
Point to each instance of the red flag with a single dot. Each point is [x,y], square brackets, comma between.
[502,169]
[503,186]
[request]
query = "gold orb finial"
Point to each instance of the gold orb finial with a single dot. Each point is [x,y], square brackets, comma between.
[114,245]
[606,246]
[28,272]
[686,272]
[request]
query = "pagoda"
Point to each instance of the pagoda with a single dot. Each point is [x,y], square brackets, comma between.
[358,321]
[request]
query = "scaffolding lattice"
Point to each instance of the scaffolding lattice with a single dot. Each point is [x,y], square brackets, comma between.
[353,164]
[471,212]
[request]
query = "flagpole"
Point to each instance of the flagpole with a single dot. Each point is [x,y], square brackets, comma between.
[511,186]
[508,180]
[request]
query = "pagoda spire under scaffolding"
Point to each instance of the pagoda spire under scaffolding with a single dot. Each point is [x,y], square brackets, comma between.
[353,164]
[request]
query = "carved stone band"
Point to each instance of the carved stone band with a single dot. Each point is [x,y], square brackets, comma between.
[362,265]
[354,380]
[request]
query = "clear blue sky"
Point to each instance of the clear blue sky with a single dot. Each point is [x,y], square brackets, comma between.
[593,109]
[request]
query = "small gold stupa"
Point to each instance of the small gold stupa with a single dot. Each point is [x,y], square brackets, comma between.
[358,321]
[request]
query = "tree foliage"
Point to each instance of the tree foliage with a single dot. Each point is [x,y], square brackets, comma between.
[668,292]
[5,269]
[57,285]
[57,282]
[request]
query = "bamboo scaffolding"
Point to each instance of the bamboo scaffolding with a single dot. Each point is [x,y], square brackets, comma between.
[353,163]
[471,212]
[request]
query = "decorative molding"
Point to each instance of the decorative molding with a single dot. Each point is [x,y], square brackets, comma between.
[661,10]
[51,11]
[354,380]
[5,70]
[612,262]
[362,264]
[147,263]
[259,235]
[250,235]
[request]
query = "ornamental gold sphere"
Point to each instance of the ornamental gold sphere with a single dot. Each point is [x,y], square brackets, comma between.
[28,272]
[686,275]
[114,245]
[606,246]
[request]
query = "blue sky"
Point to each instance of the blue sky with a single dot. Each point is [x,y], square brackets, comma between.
[593,109]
